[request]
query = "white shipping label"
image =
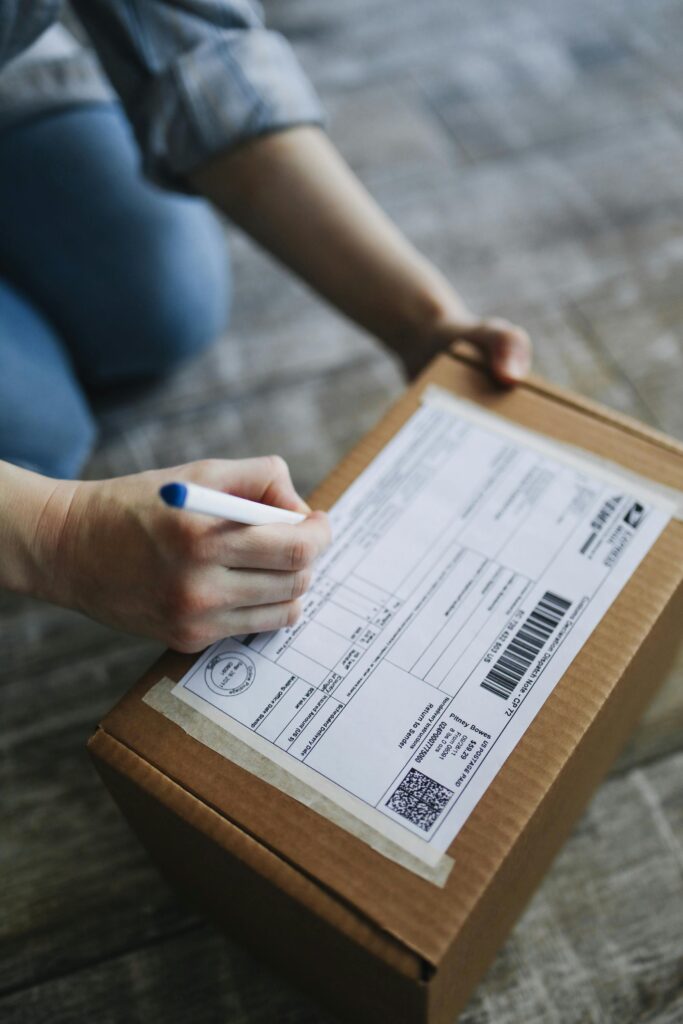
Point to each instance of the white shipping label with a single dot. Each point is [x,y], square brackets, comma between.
[468,568]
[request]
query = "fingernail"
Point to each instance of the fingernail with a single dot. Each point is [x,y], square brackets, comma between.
[517,367]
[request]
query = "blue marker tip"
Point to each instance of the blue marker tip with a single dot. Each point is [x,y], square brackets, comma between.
[174,494]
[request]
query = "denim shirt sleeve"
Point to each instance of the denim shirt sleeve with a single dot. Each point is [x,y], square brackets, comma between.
[196,77]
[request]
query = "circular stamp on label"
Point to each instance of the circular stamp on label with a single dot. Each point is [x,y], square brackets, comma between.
[229,674]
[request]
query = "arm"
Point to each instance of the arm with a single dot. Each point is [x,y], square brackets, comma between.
[24,521]
[112,550]
[293,193]
[218,100]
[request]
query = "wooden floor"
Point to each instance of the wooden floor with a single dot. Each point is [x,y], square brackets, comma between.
[535,150]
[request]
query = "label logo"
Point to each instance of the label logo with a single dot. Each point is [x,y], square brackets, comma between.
[634,514]
[229,674]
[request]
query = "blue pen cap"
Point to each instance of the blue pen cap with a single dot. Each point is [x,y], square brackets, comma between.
[174,494]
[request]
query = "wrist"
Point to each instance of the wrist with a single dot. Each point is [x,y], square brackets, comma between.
[442,311]
[430,316]
[33,510]
[50,567]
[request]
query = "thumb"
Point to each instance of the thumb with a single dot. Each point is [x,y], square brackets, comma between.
[266,479]
[281,490]
[506,347]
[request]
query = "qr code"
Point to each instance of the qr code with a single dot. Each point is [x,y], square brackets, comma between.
[419,799]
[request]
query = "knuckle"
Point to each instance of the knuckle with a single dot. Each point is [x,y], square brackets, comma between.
[184,600]
[301,553]
[210,467]
[301,581]
[208,472]
[291,613]
[197,470]
[277,464]
[187,639]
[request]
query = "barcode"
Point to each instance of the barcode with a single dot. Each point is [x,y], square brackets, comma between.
[532,637]
[420,799]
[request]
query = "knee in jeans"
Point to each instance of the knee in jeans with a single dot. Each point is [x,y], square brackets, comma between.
[68,461]
[57,446]
[183,291]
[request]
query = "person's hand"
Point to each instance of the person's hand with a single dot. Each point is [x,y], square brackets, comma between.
[505,348]
[113,550]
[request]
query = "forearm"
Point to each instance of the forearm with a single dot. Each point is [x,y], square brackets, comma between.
[30,521]
[294,194]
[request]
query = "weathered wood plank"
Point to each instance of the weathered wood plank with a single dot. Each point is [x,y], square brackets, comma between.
[645,338]
[383,133]
[75,885]
[196,975]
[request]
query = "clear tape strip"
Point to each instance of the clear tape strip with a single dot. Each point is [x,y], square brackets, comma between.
[224,743]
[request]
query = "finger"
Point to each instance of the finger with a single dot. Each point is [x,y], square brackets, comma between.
[281,547]
[507,348]
[244,588]
[281,492]
[511,354]
[259,619]
[266,479]
[195,636]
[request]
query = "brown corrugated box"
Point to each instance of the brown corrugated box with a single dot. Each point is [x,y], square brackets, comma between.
[370,938]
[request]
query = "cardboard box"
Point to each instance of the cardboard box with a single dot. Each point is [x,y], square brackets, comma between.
[370,938]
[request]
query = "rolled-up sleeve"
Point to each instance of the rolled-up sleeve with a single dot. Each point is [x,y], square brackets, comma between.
[197,77]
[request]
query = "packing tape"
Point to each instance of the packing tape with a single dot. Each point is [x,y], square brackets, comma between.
[580,458]
[224,743]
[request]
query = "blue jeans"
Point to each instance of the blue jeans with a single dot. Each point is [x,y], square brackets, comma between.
[104,280]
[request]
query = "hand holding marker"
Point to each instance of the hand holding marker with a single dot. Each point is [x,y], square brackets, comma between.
[208,502]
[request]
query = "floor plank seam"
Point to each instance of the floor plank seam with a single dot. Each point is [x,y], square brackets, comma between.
[87,965]
[582,324]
